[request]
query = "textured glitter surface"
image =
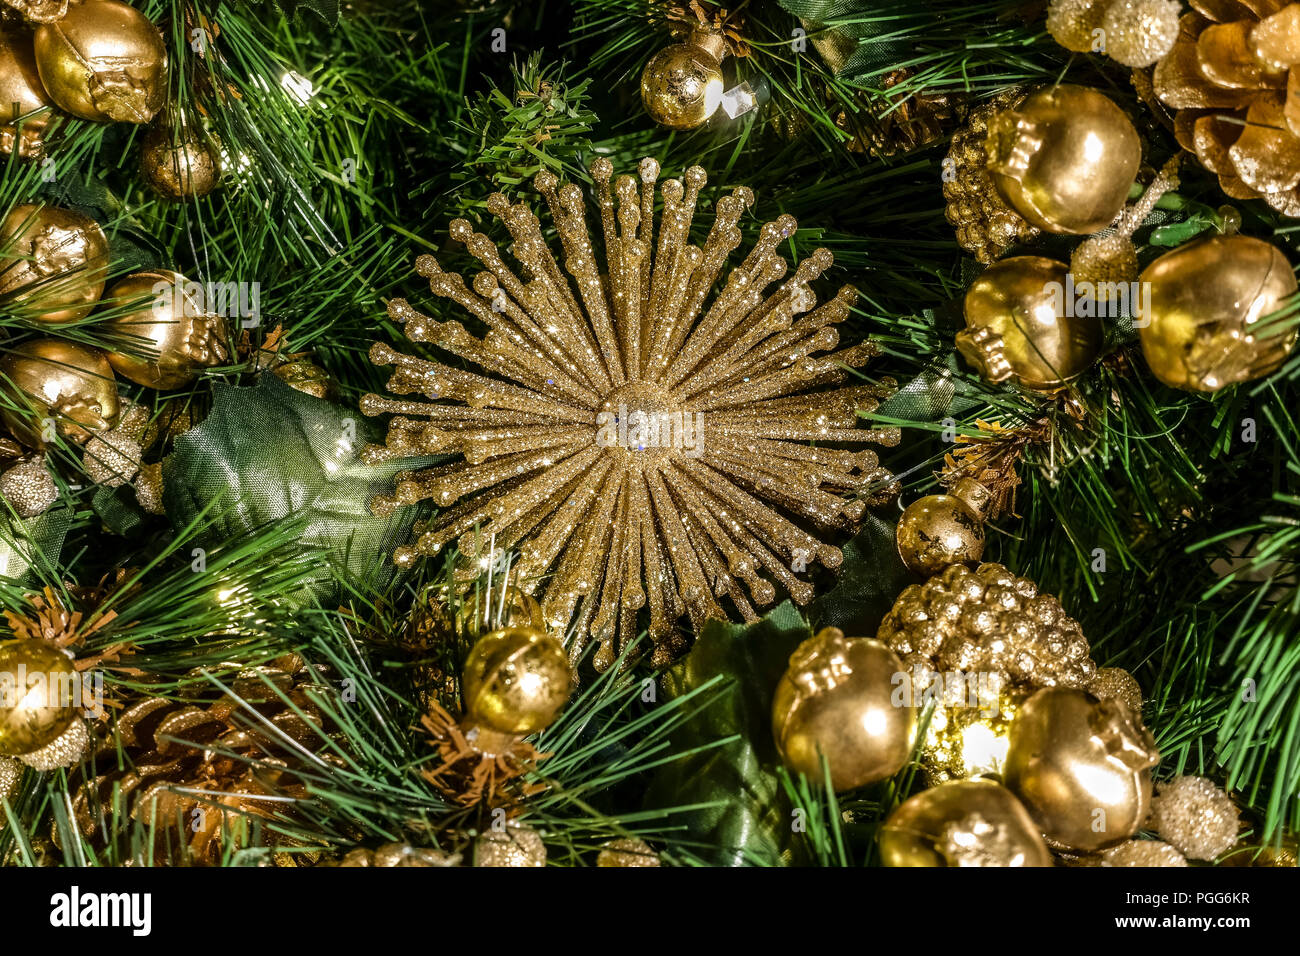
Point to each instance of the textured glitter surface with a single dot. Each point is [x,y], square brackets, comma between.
[1195,816]
[1115,683]
[66,750]
[514,846]
[112,459]
[1142,853]
[28,487]
[639,445]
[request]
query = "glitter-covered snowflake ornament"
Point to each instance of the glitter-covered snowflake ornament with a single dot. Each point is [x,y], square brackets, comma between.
[638,444]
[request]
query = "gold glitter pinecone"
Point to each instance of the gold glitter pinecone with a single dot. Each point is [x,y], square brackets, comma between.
[988,621]
[1230,82]
[986,226]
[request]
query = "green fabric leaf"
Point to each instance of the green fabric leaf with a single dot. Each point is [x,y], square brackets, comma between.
[118,509]
[747,818]
[271,453]
[869,581]
[24,542]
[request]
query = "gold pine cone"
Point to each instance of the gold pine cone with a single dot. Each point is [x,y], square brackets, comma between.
[1237,101]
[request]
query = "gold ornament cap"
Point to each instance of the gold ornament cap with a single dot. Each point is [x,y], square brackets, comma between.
[836,699]
[516,680]
[165,319]
[70,385]
[1208,300]
[38,696]
[963,823]
[1065,159]
[54,261]
[938,530]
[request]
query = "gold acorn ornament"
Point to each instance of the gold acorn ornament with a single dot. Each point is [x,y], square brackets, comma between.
[1019,326]
[39,701]
[963,823]
[1082,767]
[835,701]
[938,530]
[164,317]
[1208,300]
[1064,159]
[1229,77]
[179,162]
[28,113]
[53,261]
[104,61]
[682,84]
[70,386]
[40,11]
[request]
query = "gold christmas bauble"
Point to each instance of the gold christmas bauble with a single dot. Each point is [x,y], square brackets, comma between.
[1140,32]
[516,680]
[53,261]
[38,696]
[1018,324]
[1064,159]
[515,845]
[1207,302]
[105,62]
[482,611]
[1119,684]
[1073,23]
[681,85]
[1105,262]
[1082,767]
[164,318]
[21,97]
[72,385]
[29,487]
[1195,816]
[178,163]
[1145,853]
[963,823]
[969,731]
[627,851]
[938,530]
[836,700]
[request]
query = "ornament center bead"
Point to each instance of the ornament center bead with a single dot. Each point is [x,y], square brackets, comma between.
[641,420]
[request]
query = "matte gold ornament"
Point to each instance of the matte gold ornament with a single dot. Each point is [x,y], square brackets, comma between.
[963,823]
[104,61]
[53,261]
[112,459]
[149,489]
[516,681]
[71,386]
[835,700]
[938,530]
[22,97]
[1082,767]
[985,225]
[627,851]
[682,84]
[166,320]
[179,163]
[1142,853]
[638,448]
[38,698]
[1064,159]
[1229,77]
[29,487]
[1140,32]
[513,845]
[1074,23]
[66,750]
[1207,302]
[1115,683]
[1019,326]
[1196,817]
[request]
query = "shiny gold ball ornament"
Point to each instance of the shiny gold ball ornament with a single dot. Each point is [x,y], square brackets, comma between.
[1018,325]
[162,314]
[22,98]
[1140,32]
[53,261]
[985,225]
[516,680]
[938,530]
[969,731]
[1196,817]
[1074,23]
[179,163]
[627,851]
[963,823]
[1064,159]
[1082,767]
[836,700]
[70,385]
[104,62]
[1142,853]
[1208,300]
[513,845]
[681,85]
[38,696]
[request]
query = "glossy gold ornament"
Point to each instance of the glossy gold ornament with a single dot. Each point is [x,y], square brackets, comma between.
[1207,302]
[306,377]
[179,163]
[104,61]
[513,845]
[963,823]
[516,680]
[53,261]
[1018,324]
[1195,816]
[22,98]
[681,85]
[504,605]
[627,851]
[1064,159]
[166,319]
[38,696]
[71,385]
[836,699]
[938,530]
[969,731]
[1082,767]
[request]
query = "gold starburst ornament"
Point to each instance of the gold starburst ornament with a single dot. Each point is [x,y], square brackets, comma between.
[639,446]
